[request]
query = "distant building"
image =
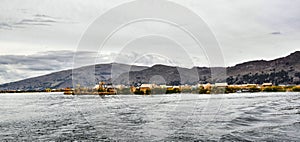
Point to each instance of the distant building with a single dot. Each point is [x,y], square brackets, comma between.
[120,86]
[221,84]
[48,90]
[266,84]
[207,86]
[96,87]
[252,85]
[146,87]
[173,89]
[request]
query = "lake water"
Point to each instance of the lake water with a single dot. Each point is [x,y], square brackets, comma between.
[176,117]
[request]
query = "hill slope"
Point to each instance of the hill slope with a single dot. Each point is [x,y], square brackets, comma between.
[63,79]
[285,70]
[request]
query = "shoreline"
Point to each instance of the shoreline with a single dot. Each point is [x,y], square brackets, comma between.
[150,94]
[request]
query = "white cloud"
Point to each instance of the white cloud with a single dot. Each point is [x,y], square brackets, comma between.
[243,28]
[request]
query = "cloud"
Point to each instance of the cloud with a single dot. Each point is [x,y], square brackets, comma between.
[5,26]
[16,67]
[34,20]
[276,33]
[245,30]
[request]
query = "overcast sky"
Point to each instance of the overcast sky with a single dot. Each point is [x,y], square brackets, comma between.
[39,37]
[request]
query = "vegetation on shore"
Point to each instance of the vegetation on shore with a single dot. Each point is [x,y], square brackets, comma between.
[218,90]
[187,90]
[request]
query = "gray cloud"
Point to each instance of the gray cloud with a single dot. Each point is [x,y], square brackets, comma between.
[16,67]
[5,26]
[34,20]
[246,30]
[276,33]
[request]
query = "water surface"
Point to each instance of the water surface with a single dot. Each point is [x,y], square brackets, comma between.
[176,117]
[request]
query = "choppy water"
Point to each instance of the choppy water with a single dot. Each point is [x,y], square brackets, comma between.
[185,117]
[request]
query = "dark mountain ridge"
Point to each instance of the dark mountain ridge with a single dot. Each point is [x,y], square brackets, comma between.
[63,79]
[285,70]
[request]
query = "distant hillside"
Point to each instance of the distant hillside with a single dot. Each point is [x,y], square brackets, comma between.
[63,79]
[285,70]
[162,74]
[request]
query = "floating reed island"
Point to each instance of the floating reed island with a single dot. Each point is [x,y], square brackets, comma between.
[147,89]
[104,88]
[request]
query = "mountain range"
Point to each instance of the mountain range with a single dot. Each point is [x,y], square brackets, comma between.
[285,70]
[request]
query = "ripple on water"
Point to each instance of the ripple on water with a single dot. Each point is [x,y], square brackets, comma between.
[246,117]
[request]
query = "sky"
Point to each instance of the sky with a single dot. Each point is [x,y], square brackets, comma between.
[40,37]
